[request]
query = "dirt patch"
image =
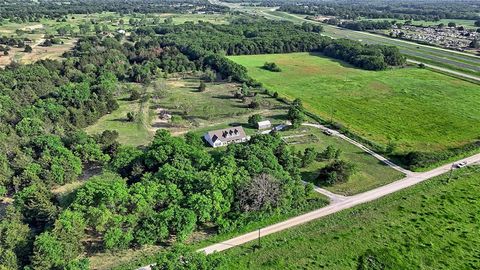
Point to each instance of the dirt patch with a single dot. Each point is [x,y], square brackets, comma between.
[176,83]
[4,203]
[379,86]
[32,27]
[109,260]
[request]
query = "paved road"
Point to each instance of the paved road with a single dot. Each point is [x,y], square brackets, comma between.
[348,202]
[461,74]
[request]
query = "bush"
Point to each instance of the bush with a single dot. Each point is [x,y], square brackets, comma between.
[339,171]
[134,94]
[131,117]
[28,49]
[254,119]
[202,87]
[271,66]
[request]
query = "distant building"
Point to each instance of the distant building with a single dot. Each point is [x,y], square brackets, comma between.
[224,137]
[264,124]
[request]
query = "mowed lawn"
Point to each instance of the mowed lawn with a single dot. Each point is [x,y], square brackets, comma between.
[369,171]
[413,108]
[434,225]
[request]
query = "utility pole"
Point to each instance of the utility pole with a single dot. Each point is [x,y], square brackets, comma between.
[259,243]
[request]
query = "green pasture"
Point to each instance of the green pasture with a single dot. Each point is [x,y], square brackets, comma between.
[409,108]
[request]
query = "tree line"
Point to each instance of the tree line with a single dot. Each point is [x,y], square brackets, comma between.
[405,10]
[32,11]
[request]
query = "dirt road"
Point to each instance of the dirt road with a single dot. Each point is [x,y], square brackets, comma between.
[361,146]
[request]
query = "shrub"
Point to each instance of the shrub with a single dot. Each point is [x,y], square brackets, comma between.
[254,119]
[339,171]
[130,117]
[272,67]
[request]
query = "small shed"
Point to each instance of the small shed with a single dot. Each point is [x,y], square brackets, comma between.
[264,124]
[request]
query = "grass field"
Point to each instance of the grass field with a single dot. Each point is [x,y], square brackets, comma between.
[433,225]
[216,107]
[414,109]
[131,133]
[200,112]
[450,59]
[370,172]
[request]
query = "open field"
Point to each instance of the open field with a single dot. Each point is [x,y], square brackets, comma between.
[131,133]
[370,172]
[433,225]
[215,107]
[411,108]
[198,112]
[458,61]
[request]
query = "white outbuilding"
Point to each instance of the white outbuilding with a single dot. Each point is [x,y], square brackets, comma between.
[264,124]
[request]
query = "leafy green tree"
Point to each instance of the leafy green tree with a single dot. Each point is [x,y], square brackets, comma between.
[86,148]
[117,239]
[29,127]
[254,119]
[15,240]
[202,87]
[331,152]
[47,252]
[124,159]
[309,156]
[36,204]
[59,164]
[295,115]
[338,171]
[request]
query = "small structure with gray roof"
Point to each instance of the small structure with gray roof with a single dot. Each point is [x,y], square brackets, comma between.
[223,137]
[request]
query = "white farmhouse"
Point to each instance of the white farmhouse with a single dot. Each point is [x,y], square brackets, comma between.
[226,136]
[264,124]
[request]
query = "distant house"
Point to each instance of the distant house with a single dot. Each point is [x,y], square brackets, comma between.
[264,124]
[223,137]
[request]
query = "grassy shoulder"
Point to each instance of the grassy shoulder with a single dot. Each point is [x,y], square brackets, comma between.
[413,229]
[413,109]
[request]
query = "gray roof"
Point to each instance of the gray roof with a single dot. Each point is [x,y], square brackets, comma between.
[227,134]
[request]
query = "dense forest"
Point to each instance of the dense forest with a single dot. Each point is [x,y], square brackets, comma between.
[32,11]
